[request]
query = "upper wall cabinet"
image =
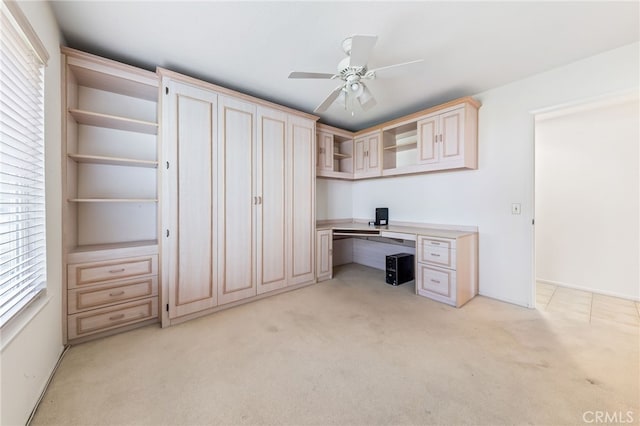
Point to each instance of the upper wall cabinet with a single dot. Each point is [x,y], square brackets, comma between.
[439,138]
[335,152]
[366,162]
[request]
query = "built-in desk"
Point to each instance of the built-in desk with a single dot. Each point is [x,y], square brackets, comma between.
[446,258]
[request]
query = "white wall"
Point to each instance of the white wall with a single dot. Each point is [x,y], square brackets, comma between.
[30,356]
[333,199]
[587,195]
[483,197]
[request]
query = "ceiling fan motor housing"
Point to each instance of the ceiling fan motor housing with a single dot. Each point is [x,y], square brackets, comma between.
[349,73]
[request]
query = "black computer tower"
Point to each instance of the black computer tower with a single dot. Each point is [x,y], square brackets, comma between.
[399,268]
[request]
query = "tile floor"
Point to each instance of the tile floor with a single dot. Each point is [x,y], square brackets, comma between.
[587,307]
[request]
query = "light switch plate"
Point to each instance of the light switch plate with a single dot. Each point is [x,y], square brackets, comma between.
[515,208]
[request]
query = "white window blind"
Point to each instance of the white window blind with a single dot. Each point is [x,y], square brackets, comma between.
[22,200]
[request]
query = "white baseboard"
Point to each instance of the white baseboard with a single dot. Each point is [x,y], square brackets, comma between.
[591,290]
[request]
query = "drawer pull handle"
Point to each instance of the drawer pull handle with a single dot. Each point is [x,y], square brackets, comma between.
[434,243]
[435,281]
[118,293]
[116,317]
[115,271]
[435,255]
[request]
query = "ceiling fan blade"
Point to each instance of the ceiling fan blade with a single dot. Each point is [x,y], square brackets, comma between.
[374,72]
[366,99]
[361,47]
[302,74]
[329,100]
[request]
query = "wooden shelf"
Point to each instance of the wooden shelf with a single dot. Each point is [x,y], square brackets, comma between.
[113,200]
[340,155]
[113,161]
[114,122]
[401,147]
[141,84]
[114,246]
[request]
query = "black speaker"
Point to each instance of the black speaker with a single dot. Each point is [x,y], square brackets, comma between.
[399,268]
[382,216]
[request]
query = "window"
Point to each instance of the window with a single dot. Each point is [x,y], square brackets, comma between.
[22,200]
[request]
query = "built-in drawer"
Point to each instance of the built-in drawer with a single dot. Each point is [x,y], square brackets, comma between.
[81,274]
[95,321]
[98,296]
[424,241]
[441,254]
[436,283]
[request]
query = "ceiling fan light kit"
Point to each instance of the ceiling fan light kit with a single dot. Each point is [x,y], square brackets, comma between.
[351,70]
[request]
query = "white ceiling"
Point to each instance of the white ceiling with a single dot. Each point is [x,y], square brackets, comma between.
[468,47]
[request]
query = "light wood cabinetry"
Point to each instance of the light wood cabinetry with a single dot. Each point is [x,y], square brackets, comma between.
[285,200]
[446,268]
[190,197]
[110,289]
[110,176]
[324,157]
[239,197]
[448,139]
[301,209]
[442,140]
[367,155]
[443,137]
[324,254]
[272,221]
[335,152]
[236,212]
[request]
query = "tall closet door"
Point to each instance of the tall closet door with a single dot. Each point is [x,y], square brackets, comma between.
[236,225]
[189,199]
[271,184]
[302,200]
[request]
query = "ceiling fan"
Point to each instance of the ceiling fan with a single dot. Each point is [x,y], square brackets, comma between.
[352,70]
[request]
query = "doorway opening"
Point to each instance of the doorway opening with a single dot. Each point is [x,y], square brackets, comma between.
[587,216]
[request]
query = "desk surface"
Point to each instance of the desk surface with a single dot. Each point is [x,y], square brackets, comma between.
[412,230]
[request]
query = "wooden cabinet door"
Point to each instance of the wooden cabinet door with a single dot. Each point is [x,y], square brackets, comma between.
[190,198]
[367,156]
[428,140]
[271,224]
[236,225]
[324,262]
[325,151]
[359,166]
[301,203]
[373,154]
[452,135]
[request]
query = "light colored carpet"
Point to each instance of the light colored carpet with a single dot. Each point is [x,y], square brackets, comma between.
[352,351]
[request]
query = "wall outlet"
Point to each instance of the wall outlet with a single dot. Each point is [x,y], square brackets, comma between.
[515,208]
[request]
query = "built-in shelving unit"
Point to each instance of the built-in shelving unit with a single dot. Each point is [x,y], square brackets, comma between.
[110,217]
[342,154]
[112,152]
[399,146]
